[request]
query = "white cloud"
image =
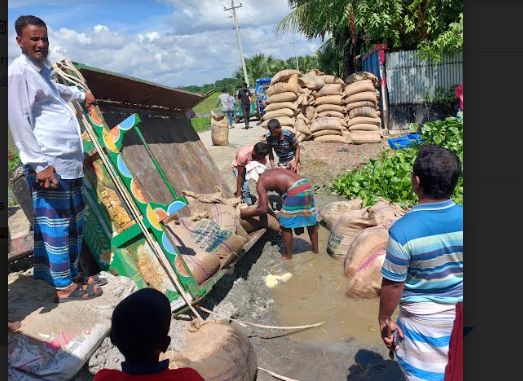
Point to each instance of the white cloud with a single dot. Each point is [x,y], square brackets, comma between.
[194,45]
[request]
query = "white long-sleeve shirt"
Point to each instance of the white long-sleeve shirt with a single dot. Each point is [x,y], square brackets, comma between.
[44,128]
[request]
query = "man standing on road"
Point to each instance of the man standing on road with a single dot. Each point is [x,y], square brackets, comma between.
[244,96]
[423,269]
[298,208]
[47,135]
[227,102]
[285,145]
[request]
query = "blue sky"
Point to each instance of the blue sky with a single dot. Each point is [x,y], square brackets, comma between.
[172,42]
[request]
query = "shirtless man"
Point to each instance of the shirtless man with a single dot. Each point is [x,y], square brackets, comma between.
[298,209]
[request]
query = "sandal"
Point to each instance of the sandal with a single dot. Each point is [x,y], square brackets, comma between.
[83,279]
[82,292]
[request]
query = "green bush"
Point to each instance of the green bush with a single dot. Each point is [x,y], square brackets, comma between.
[201,124]
[389,177]
[13,163]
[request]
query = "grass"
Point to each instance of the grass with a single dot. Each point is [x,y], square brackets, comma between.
[204,107]
[201,124]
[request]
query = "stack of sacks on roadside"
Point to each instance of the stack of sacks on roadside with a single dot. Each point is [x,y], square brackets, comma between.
[359,237]
[282,96]
[361,106]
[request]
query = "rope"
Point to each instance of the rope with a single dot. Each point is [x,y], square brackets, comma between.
[243,324]
[276,375]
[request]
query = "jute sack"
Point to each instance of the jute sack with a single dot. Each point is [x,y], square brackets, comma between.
[385,213]
[331,79]
[326,123]
[282,87]
[363,111]
[363,120]
[345,229]
[364,261]
[283,97]
[311,81]
[300,137]
[282,105]
[361,76]
[202,264]
[331,139]
[280,112]
[219,130]
[283,75]
[348,136]
[228,250]
[364,127]
[302,117]
[330,212]
[327,132]
[330,89]
[330,107]
[353,105]
[363,137]
[252,224]
[217,351]
[364,96]
[332,113]
[302,127]
[358,87]
[284,121]
[329,99]
[310,113]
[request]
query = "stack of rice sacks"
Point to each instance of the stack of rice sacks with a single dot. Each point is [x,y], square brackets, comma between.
[282,96]
[361,106]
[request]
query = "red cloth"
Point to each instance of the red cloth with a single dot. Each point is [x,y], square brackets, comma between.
[459,95]
[181,374]
[454,369]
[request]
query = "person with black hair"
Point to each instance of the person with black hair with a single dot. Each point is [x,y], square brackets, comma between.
[227,102]
[140,330]
[244,155]
[47,134]
[284,143]
[423,269]
[244,96]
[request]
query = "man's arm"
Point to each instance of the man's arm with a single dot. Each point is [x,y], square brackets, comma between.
[271,157]
[390,296]
[295,165]
[71,93]
[263,203]
[239,180]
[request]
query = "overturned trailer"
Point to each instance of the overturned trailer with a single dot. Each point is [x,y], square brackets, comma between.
[141,153]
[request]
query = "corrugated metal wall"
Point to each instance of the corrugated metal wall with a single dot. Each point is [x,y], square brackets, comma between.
[371,63]
[412,80]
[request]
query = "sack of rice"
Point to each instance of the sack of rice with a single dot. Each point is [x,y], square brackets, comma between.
[347,226]
[310,113]
[385,213]
[331,138]
[300,137]
[332,113]
[363,111]
[229,249]
[364,127]
[353,105]
[284,121]
[326,123]
[359,87]
[348,136]
[278,106]
[363,137]
[330,89]
[363,120]
[330,132]
[361,76]
[252,224]
[282,97]
[311,80]
[282,87]
[330,107]
[280,112]
[331,79]
[218,351]
[329,99]
[302,127]
[219,129]
[302,117]
[283,75]
[364,261]
[330,212]
[369,96]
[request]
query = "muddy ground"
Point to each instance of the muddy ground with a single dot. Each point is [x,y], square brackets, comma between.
[243,294]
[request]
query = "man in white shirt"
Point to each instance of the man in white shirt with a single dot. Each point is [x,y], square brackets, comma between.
[47,135]
[227,102]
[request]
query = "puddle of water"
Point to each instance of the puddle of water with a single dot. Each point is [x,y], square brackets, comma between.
[316,292]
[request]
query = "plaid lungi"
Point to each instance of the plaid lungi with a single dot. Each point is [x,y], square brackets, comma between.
[58,228]
[298,208]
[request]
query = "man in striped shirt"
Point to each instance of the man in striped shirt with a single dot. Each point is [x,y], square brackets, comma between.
[423,269]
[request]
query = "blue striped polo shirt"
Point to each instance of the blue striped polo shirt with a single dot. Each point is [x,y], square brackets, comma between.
[425,251]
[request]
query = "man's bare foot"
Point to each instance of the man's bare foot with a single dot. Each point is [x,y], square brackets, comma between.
[287,257]
[13,325]
[78,292]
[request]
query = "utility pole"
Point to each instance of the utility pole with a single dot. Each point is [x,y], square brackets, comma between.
[233,8]
[294,49]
